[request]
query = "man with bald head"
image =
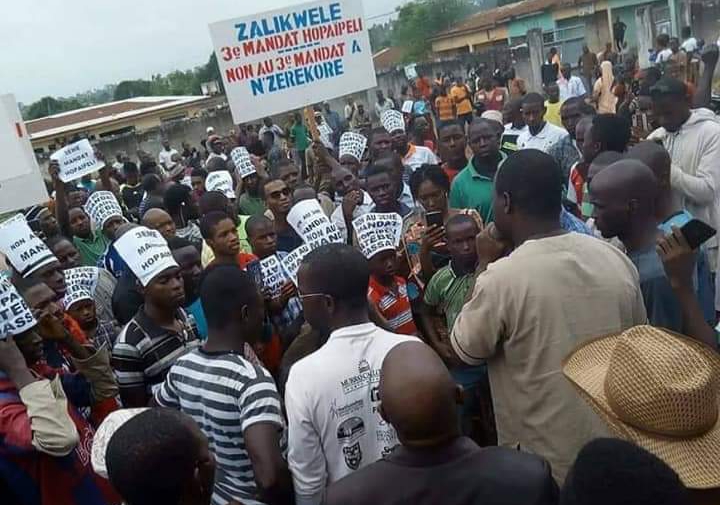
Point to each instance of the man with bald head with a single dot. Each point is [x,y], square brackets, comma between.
[624,196]
[158,219]
[434,463]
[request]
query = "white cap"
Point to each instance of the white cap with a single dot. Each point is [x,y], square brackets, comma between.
[145,252]
[243,163]
[101,206]
[209,130]
[378,232]
[113,422]
[221,181]
[352,144]
[23,249]
[392,121]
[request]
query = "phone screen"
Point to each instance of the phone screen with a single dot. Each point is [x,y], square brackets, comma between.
[434,218]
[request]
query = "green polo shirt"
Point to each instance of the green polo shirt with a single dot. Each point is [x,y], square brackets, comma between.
[447,292]
[470,190]
[92,249]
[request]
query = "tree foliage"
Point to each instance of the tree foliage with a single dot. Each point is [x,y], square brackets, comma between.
[178,82]
[419,20]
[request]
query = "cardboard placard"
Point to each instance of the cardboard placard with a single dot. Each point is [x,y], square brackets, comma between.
[21,183]
[243,164]
[221,181]
[101,206]
[15,316]
[273,274]
[314,227]
[146,253]
[80,284]
[76,160]
[23,249]
[288,58]
[291,262]
[377,232]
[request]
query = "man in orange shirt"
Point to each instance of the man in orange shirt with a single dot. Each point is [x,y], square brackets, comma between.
[463,101]
[445,107]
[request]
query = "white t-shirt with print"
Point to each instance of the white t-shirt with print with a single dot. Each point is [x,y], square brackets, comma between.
[544,140]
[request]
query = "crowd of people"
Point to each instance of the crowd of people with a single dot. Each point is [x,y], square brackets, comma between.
[506,304]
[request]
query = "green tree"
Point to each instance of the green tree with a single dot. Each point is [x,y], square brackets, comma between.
[130,89]
[380,36]
[419,20]
[48,106]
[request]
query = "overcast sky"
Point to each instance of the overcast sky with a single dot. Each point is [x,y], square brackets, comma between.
[61,47]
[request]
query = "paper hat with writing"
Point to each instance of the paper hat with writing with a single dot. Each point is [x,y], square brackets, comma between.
[101,206]
[291,262]
[310,222]
[325,134]
[243,164]
[392,121]
[352,144]
[377,232]
[104,433]
[15,316]
[23,249]
[80,285]
[221,181]
[146,253]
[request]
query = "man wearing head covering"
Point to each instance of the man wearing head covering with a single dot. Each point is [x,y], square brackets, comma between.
[658,390]
[43,436]
[413,156]
[161,331]
[434,463]
[42,221]
[351,151]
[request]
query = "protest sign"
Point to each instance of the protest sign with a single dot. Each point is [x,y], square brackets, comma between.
[221,181]
[377,232]
[146,253]
[23,249]
[243,164]
[101,206]
[407,106]
[288,58]
[310,222]
[411,71]
[291,262]
[15,315]
[187,181]
[21,184]
[80,284]
[273,274]
[76,160]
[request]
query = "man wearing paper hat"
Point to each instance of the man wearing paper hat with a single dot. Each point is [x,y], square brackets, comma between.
[105,211]
[43,434]
[413,156]
[660,391]
[29,256]
[351,151]
[41,220]
[161,331]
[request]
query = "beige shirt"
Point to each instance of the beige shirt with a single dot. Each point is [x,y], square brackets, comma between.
[527,313]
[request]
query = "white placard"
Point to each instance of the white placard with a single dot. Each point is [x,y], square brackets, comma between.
[221,181]
[274,276]
[407,106]
[76,160]
[146,253]
[291,262]
[21,184]
[314,227]
[15,316]
[101,206]
[411,71]
[377,232]
[285,59]
[23,249]
[243,163]
[80,284]
[187,181]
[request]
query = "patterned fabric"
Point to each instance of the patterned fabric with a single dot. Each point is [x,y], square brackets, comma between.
[105,334]
[393,304]
[565,153]
[568,222]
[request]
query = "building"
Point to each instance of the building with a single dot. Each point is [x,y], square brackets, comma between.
[103,122]
[569,24]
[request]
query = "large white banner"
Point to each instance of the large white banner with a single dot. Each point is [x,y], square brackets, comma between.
[285,59]
[21,184]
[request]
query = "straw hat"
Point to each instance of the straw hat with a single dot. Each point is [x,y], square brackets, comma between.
[659,390]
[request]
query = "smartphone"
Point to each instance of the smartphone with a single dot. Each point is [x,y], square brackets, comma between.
[434,218]
[697,233]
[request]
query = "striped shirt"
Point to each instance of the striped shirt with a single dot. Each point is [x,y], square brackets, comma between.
[394,304]
[225,394]
[144,352]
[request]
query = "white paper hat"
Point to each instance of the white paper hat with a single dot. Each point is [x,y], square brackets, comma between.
[221,181]
[325,133]
[101,206]
[23,249]
[243,164]
[80,285]
[352,144]
[377,232]
[392,121]
[104,434]
[146,253]
[15,316]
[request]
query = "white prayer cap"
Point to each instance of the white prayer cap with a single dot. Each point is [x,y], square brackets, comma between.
[101,206]
[493,115]
[352,144]
[146,253]
[243,164]
[392,121]
[113,422]
[23,249]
